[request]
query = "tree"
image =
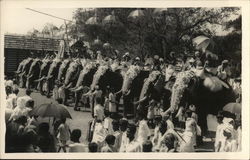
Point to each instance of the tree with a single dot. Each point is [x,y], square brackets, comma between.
[160,34]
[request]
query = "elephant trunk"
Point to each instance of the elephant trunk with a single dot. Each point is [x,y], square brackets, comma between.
[181,83]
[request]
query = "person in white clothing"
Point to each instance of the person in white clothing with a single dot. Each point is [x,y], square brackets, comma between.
[132,145]
[76,146]
[189,134]
[229,144]
[98,110]
[219,133]
[143,131]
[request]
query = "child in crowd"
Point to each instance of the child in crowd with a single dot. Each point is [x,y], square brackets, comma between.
[147,146]
[110,142]
[93,147]
[107,123]
[189,134]
[219,133]
[63,135]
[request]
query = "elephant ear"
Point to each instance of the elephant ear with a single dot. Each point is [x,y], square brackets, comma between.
[214,84]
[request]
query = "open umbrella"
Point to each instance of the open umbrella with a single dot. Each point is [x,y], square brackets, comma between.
[201,42]
[233,108]
[92,21]
[51,110]
[110,19]
[158,11]
[136,14]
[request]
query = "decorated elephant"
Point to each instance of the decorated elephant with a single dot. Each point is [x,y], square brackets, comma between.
[71,78]
[131,88]
[63,68]
[24,70]
[153,89]
[208,93]
[84,81]
[33,73]
[52,75]
[45,66]
[104,77]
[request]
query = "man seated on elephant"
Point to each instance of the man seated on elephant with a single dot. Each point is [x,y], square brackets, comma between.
[223,71]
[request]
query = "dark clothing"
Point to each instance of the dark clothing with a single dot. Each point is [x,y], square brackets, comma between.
[46,143]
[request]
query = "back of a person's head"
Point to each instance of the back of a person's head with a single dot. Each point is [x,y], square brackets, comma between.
[147,146]
[132,127]
[59,100]
[63,120]
[110,139]
[106,113]
[8,90]
[16,91]
[188,113]
[30,103]
[115,124]
[28,92]
[93,147]
[43,128]
[123,124]
[169,140]
[98,100]
[21,120]
[75,135]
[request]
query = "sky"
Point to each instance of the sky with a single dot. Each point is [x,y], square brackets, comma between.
[21,20]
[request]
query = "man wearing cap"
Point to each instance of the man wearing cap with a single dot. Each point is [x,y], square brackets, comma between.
[223,71]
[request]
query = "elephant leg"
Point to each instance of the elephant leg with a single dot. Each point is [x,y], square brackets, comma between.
[49,86]
[202,122]
[77,98]
[66,91]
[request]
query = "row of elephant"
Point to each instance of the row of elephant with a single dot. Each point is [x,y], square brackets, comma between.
[135,85]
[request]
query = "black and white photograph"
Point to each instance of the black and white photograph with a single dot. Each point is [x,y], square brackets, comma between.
[123,79]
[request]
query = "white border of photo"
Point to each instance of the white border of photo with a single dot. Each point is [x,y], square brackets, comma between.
[244,4]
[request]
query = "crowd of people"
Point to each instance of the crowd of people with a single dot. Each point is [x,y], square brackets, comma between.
[110,132]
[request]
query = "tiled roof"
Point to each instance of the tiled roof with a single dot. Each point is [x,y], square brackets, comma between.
[28,42]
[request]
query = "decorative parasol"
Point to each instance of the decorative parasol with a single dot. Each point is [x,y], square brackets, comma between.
[233,108]
[136,14]
[92,21]
[51,110]
[159,11]
[110,19]
[201,43]
[106,45]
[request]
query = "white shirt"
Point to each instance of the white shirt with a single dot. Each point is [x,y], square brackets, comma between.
[112,105]
[143,131]
[99,112]
[78,147]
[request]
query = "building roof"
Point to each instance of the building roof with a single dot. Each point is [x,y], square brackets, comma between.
[32,43]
